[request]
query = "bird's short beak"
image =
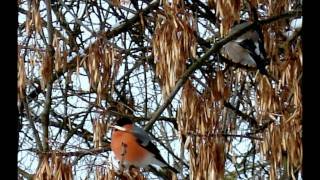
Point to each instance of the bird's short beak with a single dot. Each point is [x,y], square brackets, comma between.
[118,127]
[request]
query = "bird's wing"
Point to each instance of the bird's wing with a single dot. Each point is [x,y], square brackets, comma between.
[248,44]
[145,141]
[251,41]
[251,47]
[142,136]
[238,54]
[154,150]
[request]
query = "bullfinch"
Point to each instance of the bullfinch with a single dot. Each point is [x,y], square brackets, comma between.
[132,146]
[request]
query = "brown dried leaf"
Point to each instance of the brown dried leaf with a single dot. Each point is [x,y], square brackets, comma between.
[22,78]
[46,70]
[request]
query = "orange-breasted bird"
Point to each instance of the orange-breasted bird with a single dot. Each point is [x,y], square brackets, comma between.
[132,146]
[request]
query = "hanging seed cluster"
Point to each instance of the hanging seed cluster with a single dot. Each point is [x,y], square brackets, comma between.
[50,64]
[54,168]
[102,65]
[282,102]
[199,120]
[22,78]
[173,43]
[282,145]
[110,174]
[105,174]
[102,174]
[278,27]
[33,21]
[60,57]
[276,8]
[228,11]
[266,97]
[99,131]
[46,69]
[116,3]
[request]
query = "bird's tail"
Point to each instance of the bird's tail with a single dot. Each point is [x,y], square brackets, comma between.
[172,169]
[167,166]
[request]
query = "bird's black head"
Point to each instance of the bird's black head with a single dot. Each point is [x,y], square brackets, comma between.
[123,121]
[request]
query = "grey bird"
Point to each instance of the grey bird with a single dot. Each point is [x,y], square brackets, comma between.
[246,49]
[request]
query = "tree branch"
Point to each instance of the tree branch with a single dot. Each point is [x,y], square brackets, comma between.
[25,174]
[76,153]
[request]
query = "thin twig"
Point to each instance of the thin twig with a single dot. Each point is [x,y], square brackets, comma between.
[223,134]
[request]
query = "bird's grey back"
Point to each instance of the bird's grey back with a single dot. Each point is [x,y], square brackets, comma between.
[142,136]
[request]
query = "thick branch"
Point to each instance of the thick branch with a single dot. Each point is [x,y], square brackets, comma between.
[47,105]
